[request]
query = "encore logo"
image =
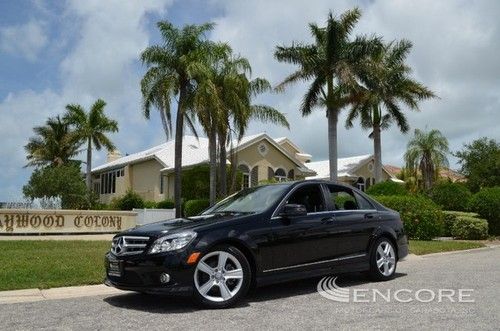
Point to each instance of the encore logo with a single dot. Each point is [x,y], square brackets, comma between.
[328,289]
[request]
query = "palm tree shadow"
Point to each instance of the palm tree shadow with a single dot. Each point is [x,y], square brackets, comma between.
[179,305]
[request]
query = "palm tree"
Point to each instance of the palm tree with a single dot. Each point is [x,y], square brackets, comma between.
[91,128]
[427,152]
[386,86]
[52,144]
[174,67]
[223,106]
[332,62]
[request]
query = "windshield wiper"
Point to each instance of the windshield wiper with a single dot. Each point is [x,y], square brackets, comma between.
[231,212]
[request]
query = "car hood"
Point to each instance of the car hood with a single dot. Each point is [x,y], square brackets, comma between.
[161,228]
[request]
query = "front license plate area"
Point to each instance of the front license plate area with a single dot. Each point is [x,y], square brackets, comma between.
[114,268]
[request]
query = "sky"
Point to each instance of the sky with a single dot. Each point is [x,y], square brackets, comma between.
[53,53]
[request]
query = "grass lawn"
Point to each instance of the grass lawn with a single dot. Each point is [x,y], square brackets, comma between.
[45,264]
[421,247]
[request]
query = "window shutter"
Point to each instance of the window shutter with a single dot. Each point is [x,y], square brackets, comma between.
[255,176]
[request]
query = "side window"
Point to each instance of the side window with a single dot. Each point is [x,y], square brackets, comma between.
[342,199]
[362,202]
[310,196]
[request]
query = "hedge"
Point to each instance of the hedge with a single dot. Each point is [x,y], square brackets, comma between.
[469,228]
[451,196]
[450,217]
[129,201]
[165,204]
[194,207]
[487,204]
[421,217]
[387,188]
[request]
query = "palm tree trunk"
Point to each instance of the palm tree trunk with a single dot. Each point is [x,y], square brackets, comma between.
[332,142]
[179,127]
[89,168]
[212,152]
[377,149]
[222,165]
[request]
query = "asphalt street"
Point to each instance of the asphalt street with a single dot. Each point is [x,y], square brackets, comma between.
[298,305]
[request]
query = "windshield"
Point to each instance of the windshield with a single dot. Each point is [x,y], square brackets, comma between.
[251,200]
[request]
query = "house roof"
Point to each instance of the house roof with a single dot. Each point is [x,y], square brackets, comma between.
[194,151]
[346,166]
[249,140]
[443,172]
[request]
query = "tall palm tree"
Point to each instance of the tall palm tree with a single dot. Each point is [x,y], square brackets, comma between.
[91,128]
[52,144]
[427,152]
[386,87]
[224,108]
[173,71]
[332,62]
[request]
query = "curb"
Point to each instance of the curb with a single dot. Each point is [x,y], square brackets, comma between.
[460,251]
[34,295]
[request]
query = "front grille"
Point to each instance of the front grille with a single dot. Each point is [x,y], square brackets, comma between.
[128,245]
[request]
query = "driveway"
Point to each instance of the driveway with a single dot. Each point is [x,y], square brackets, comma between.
[296,305]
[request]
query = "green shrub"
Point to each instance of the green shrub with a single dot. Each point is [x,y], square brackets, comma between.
[129,201]
[194,207]
[469,228]
[421,217]
[450,217]
[451,196]
[195,182]
[166,204]
[387,188]
[148,204]
[487,204]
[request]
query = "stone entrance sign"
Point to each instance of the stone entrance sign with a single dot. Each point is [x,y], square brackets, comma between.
[19,221]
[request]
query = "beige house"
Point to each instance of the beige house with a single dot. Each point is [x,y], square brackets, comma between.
[357,171]
[150,172]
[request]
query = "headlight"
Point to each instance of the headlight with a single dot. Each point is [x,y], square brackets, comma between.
[172,242]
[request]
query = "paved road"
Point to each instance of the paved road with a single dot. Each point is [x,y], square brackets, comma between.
[294,305]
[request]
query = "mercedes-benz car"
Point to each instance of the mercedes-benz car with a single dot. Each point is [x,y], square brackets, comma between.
[259,236]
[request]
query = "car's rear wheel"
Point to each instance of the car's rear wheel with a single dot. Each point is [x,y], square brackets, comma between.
[383,260]
[221,277]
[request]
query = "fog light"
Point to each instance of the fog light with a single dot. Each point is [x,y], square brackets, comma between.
[164,278]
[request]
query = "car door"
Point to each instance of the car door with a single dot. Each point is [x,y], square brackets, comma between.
[355,219]
[301,240]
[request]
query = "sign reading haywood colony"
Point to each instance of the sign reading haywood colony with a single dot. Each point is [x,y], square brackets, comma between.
[19,221]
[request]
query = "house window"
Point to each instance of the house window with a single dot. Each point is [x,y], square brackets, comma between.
[291,174]
[245,171]
[162,183]
[108,181]
[280,175]
[360,184]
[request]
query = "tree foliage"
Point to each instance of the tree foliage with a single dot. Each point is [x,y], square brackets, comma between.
[427,152]
[480,162]
[53,144]
[64,181]
[332,65]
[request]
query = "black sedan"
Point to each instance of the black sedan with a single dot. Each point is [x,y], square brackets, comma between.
[259,236]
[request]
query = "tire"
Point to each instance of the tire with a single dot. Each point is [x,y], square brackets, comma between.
[383,260]
[221,278]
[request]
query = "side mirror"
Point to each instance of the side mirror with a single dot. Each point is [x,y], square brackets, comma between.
[293,210]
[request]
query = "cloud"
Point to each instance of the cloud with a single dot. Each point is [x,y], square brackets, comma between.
[102,62]
[26,40]
[456,45]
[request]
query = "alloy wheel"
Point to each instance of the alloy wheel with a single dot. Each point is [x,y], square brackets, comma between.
[385,258]
[218,276]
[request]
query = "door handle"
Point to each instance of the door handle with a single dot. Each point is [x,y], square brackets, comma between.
[327,220]
[369,216]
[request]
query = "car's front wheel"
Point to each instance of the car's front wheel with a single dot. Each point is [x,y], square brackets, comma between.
[222,277]
[383,260]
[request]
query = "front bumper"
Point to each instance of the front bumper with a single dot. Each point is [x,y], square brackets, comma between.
[142,274]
